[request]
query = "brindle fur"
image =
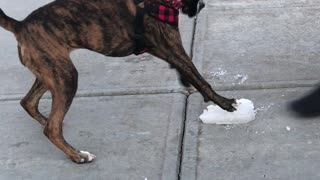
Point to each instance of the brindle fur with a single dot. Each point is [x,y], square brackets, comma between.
[48,35]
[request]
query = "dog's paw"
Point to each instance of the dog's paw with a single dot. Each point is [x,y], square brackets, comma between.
[85,157]
[229,105]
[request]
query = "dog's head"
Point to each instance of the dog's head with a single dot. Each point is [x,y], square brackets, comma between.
[192,7]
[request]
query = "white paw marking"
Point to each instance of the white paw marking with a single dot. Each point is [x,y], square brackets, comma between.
[90,157]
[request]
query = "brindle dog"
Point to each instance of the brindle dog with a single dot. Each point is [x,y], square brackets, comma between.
[48,35]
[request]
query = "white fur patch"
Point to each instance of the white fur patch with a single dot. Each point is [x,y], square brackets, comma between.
[90,157]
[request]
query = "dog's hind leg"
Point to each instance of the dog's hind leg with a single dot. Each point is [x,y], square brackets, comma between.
[62,83]
[60,77]
[31,101]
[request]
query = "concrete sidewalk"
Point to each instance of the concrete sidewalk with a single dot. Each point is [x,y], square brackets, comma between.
[266,51]
[141,126]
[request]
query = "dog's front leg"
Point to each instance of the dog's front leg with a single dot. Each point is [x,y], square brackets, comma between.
[180,60]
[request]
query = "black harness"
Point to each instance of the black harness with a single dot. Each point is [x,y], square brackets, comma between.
[140,47]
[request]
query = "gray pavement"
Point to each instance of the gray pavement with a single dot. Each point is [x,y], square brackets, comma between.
[277,145]
[134,137]
[140,124]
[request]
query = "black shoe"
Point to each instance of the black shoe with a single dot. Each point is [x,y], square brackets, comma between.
[309,105]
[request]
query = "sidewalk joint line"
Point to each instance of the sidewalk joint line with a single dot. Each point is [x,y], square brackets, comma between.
[181,144]
[181,90]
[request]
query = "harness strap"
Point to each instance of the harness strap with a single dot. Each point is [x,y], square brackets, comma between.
[139,30]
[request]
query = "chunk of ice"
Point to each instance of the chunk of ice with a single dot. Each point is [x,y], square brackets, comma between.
[215,115]
[288,128]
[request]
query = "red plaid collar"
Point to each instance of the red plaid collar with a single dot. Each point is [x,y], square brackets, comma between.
[163,13]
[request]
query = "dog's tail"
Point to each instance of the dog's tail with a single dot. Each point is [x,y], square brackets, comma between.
[8,23]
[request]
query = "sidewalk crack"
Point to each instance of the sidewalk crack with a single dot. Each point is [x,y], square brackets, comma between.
[181,145]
